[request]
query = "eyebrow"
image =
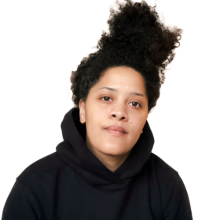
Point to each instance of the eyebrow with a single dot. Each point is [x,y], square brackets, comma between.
[115,90]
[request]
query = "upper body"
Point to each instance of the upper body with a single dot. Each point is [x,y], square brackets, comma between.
[72,183]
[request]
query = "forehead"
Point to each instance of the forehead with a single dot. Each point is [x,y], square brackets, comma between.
[122,76]
[121,80]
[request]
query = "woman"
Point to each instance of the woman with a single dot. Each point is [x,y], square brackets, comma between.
[104,168]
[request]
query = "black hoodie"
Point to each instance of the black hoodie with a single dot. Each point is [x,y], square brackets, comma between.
[72,184]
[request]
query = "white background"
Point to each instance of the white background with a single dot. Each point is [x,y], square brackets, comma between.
[42,41]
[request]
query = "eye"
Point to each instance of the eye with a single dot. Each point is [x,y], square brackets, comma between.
[135,104]
[106,98]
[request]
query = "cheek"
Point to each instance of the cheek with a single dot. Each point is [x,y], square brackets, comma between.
[136,131]
[95,115]
[94,122]
[137,125]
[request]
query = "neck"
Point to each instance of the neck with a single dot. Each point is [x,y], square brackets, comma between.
[112,162]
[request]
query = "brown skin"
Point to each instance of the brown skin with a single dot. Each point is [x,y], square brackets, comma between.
[122,107]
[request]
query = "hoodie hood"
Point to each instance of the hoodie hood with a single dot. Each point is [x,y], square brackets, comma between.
[74,152]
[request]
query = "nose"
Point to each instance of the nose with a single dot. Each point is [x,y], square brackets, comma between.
[119,112]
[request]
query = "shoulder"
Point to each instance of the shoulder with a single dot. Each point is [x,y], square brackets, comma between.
[162,175]
[165,183]
[161,168]
[47,165]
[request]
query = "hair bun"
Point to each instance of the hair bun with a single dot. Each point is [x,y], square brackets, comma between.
[137,26]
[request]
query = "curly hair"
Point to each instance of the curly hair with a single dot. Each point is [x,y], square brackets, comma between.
[137,39]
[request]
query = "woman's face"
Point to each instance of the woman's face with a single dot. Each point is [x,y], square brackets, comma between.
[115,111]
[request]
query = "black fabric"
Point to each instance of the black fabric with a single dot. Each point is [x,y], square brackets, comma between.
[72,183]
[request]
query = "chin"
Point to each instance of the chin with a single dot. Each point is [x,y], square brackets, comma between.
[114,151]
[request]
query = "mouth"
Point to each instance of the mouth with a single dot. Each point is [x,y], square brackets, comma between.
[116,131]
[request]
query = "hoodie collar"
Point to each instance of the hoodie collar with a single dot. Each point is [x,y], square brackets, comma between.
[73,151]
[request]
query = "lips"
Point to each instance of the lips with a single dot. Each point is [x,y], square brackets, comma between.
[116,130]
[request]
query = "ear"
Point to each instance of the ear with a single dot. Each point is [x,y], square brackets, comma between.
[82,110]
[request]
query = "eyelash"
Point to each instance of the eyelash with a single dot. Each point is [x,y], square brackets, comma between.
[131,102]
